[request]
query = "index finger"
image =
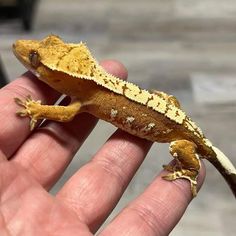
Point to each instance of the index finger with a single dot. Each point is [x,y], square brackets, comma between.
[13,130]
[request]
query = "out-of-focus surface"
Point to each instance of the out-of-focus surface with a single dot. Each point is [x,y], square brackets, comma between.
[162,43]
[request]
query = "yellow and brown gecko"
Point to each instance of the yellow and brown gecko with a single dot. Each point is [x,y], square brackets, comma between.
[72,70]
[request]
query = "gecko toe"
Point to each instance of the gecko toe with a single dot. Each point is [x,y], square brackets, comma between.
[19,102]
[23,113]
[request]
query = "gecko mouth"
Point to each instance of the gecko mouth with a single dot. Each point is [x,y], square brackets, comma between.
[18,56]
[21,57]
[14,50]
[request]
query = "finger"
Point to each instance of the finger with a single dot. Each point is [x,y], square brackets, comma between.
[49,150]
[14,130]
[156,211]
[115,67]
[96,188]
[2,157]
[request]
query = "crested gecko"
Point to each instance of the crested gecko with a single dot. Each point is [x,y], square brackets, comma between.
[156,116]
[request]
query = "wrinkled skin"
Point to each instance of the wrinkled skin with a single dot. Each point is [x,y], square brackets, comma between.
[32,162]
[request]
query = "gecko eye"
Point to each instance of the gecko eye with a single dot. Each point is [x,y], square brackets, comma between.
[34,59]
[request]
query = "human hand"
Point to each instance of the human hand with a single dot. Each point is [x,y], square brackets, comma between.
[31,163]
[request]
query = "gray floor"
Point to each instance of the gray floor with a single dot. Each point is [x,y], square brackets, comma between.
[163,44]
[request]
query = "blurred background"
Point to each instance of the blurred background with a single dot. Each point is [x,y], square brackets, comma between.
[186,48]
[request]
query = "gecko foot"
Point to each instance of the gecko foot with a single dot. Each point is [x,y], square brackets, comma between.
[30,109]
[187,163]
[181,174]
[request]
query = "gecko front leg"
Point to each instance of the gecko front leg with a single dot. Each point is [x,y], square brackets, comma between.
[36,111]
[187,164]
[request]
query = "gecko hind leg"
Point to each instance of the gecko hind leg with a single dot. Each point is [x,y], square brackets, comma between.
[169,98]
[36,111]
[187,164]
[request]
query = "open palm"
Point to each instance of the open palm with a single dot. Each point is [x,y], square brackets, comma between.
[32,162]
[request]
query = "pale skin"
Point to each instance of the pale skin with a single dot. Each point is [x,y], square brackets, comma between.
[32,162]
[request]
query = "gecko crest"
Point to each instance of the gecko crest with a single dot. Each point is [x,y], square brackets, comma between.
[77,61]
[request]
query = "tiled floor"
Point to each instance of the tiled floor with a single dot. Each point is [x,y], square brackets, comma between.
[162,43]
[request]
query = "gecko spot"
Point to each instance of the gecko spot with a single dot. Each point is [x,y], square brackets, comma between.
[113,114]
[106,81]
[149,99]
[129,119]
[124,87]
[112,82]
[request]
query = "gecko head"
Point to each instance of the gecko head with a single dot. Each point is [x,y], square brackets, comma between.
[32,53]
[27,52]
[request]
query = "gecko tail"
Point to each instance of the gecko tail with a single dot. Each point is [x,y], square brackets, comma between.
[225,167]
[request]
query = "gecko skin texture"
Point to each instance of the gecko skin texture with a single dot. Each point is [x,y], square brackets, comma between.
[156,116]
